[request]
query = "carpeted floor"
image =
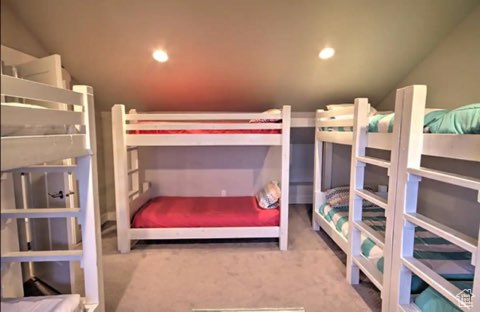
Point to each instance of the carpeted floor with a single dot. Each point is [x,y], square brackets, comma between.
[173,276]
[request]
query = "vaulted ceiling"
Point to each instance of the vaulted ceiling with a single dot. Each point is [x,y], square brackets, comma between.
[239,54]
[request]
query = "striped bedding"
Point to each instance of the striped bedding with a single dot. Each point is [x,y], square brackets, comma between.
[440,255]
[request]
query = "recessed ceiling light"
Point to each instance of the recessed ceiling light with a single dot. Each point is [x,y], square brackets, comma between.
[326,53]
[160,56]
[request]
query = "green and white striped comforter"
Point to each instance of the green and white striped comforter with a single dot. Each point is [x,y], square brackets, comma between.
[440,255]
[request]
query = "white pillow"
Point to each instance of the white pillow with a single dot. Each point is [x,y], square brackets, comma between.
[269,196]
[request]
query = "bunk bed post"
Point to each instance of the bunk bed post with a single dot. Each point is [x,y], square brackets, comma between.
[286,111]
[476,281]
[120,165]
[360,124]
[317,175]
[91,144]
[412,100]
[92,259]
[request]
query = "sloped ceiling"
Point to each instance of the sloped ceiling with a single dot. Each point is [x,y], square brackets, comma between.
[239,54]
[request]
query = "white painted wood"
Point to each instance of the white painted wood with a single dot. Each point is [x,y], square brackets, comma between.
[22,88]
[456,146]
[369,270]
[476,282]
[91,235]
[455,237]
[444,287]
[373,198]
[21,116]
[42,256]
[202,139]
[285,179]
[329,228]
[357,171]
[139,201]
[320,114]
[48,168]
[317,181]
[201,116]
[374,161]
[335,123]
[336,137]
[303,120]
[120,161]
[370,233]
[381,141]
[40,213]
[203,233]
[445,177]
[202,126]
[17,151]
[410,147]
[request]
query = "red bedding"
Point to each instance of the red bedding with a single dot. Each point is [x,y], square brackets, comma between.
[204,131]
[168,212]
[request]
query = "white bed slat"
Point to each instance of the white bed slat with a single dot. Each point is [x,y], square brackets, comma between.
[370,233]
[41,256]
[336,137]
[48,168]
[17,151]
[208,232]
[374,161]
[202,139]
[331,231]
[335,123]
[412,307]
[40,213]
[370,271]
[22,88]
[336,112]
[21,116]
[450,178]
[456,146]
[200,126]
[202,116]
[455,237]
[373,198]
[444,287]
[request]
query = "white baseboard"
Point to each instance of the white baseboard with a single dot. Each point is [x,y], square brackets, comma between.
[108,216]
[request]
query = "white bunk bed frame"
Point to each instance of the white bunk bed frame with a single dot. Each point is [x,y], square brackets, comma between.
[413,144]
[26,154]
[129,201]
[360,140]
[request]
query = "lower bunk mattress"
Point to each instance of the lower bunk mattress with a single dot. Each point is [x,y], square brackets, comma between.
[448,260]
[182,212]
[60,303]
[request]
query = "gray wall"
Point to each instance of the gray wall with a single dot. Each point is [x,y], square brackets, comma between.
[452,75]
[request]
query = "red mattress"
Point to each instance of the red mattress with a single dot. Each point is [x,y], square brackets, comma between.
[169,212]
[205,131]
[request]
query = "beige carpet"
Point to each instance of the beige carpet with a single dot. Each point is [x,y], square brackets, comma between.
[255,274]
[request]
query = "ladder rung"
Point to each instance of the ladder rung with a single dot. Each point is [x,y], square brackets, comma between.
[369,270]
[40,213]
[374,161]
[455,237]
[411,307]
[370,233]
[444,287]
[133,193]
[48,168]
[450,178]
[132,170]
[41,256]
[373,198]
[131,148]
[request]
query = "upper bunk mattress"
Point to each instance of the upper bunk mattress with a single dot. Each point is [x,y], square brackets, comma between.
[205,131]
[60,303]
[171,212]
